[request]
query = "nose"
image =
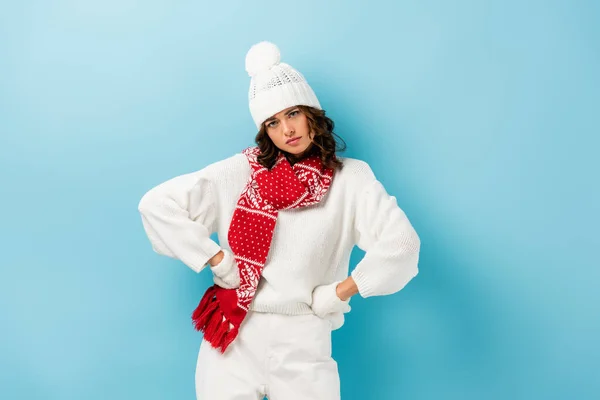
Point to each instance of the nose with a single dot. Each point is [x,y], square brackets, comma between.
[287,127]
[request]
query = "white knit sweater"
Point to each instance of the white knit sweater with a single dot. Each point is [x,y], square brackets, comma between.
[311,246]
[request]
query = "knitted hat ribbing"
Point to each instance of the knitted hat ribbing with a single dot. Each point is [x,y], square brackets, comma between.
[274,86]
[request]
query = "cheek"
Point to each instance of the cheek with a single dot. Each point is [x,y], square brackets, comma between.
[303,125]
[275,136]
[272,135]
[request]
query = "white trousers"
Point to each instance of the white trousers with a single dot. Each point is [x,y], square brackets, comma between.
[283,357]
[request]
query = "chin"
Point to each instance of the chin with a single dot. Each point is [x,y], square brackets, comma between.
[295,151]
[298,150]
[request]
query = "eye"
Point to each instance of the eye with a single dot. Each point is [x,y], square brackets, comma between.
[293,113]
[271,124]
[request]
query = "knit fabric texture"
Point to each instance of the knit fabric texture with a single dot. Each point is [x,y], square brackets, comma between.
[274,86]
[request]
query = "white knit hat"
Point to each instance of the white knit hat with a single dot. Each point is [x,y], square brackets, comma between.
[274,86]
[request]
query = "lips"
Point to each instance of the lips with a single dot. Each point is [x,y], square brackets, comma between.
[292,140]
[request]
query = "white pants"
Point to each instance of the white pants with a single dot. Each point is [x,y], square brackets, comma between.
[284,357]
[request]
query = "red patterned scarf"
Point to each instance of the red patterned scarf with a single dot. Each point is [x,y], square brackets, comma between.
[283,187]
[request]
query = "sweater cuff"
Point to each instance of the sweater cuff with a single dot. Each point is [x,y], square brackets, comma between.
[209,248]
[362,283]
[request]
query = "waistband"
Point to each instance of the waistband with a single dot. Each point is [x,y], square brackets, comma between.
[282,308]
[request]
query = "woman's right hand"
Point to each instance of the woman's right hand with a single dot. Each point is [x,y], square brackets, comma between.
[216,258]
[225,271]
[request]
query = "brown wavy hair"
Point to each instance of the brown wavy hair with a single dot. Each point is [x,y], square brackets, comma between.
[323,142]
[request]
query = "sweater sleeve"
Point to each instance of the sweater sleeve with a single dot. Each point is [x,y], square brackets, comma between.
[389,240]
[179,216]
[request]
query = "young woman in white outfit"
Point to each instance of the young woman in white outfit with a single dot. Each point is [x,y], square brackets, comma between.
[287,213]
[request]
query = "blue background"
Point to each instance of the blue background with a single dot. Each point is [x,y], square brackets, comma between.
[480,116]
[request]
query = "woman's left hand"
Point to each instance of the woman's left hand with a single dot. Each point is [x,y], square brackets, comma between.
[325,300]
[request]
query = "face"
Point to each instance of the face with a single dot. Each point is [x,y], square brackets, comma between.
[289,130]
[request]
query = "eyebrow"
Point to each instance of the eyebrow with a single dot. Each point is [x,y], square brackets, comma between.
[273,118]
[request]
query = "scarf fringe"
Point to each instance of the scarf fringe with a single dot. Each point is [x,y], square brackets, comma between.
[209,319]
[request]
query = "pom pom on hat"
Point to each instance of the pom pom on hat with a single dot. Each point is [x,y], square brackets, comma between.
[261,57]
[274,85]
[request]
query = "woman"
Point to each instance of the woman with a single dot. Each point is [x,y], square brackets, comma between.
[288,213]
